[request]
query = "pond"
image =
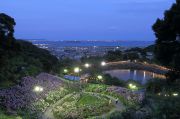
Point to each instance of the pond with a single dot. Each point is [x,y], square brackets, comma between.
[137,75]
[71,77]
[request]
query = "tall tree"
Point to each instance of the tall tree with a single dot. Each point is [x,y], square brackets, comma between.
[6,31]
[167,32]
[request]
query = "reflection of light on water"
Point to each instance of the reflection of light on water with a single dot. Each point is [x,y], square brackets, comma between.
[135,72]
[153,75]
[144,74]
[138,75]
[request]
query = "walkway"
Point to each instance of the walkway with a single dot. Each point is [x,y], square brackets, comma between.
[48,114]
[136,65]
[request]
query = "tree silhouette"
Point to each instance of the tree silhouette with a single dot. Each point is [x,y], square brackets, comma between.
[6,31]
[167,32]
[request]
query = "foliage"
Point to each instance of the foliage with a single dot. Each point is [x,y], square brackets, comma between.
[20,58]
[50,99]
[82,105]
[162,85]
[6,31]
[102,89]
[114,55]
[167,47]
[98,88]
[161,100]
[108,80]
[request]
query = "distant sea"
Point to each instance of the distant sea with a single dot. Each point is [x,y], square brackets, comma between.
[94,43]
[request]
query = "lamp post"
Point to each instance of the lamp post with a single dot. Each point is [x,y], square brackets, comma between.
[65,71]
[87,65]
[76,70]
[99,77]
[132,86]
[103,63]
[175,94]
[38,89]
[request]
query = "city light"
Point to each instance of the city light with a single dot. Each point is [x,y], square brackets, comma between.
[103,63]
[38,89]
[76,70]
[65,71]
[87,65]
[175,94]
[99,77]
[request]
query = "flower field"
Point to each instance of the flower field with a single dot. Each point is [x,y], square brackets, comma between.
[82,105]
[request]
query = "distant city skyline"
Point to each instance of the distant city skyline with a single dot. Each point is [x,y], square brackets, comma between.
[129,20]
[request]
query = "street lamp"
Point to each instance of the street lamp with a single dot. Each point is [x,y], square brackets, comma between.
[132,86]
[38,89]
[103,63]
[175,94]
[87,65]
[65,71]
[99,77]
[76,70]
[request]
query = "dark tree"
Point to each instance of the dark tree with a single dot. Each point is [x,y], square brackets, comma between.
[6,30]
[167,32]
[114,55]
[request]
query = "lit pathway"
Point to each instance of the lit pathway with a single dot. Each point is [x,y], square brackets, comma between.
[137,65]
[48,114]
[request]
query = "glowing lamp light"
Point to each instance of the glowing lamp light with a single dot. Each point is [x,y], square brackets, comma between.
[131,86]
[87,65]
[103,63]
[76,70]
[65,71]
[38,89]
[134,87]
[175,94]
[99,77]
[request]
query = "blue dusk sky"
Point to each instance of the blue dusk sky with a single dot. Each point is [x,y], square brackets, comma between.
[85,19]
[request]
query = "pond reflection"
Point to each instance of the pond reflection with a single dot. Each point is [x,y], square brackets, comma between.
[137,75]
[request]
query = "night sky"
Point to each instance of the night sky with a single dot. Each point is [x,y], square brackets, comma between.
[85,19]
